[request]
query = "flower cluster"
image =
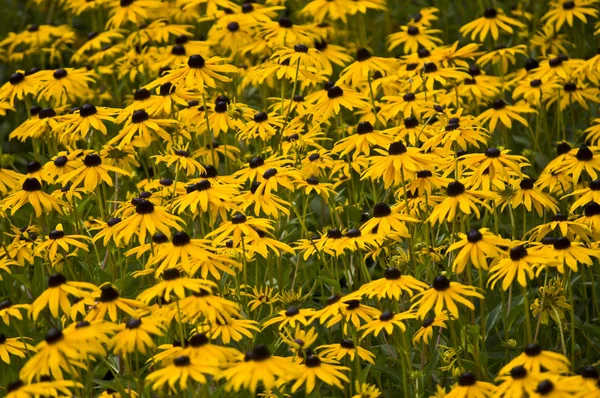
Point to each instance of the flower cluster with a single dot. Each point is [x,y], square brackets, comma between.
[357,198]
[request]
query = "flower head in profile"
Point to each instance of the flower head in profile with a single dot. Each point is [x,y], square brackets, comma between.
[134,335]
[534,359]
[259,366]
[413,37]
[476,247]
[468,386]
[91,173]
[443,295]
[426,331]
[387,321]
[493,21]
[562,12]
[338,97]
[392,285]
[520,264]
[198,73]
[58,239]
[182,370]
[364,67]
[57,295]
[316,368]
[173,284]
[460,199]
[31,192]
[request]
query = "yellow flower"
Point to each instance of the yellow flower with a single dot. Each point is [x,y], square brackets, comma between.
[57,295]
[183,370]
[442,295]
[493,21]
[257,366]
[135,336]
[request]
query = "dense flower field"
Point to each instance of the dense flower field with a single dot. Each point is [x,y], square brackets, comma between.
[285,198]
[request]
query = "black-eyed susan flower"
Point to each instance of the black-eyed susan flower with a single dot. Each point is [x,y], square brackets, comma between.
[140,130]
[31,192]
[300,54]
[232,329]
[330,54]
[571,253]
[497,163]
[262,296]
[300,339]
[209,306]
[258,366]
[387,221]
[315,368]
[531,197]
[535,91]
[443,294]
[91,173]
[430,73]
[562,12]
[108,300]
[64,85]
[182,160]
[312,184]
[18,87]
[476,247]
[534,359]
[585,160]
[200,346]
[55,355]
[173,284]
[517,382]
[207,197]
[57,295]
[87,119]
[505,113]
[8,310]
[134,335]
[459,198]
[182,371]
[9,180]
[147,218]
[585,195]
[124,11]
[239,227]
[284,32]
[57,238]
[398,164]
[413,37]
[556,386]
[337,97]
[262,126]
[468,386]
[425,332]
[387,321]
[493,21]
[364,390]
[346,348]
[562,224]
[360,143]
[188,254]
[59,165]
[290,318]
[392,285]
[20,389]
[198,73]
[364,67]
[520,264]
[16,346]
